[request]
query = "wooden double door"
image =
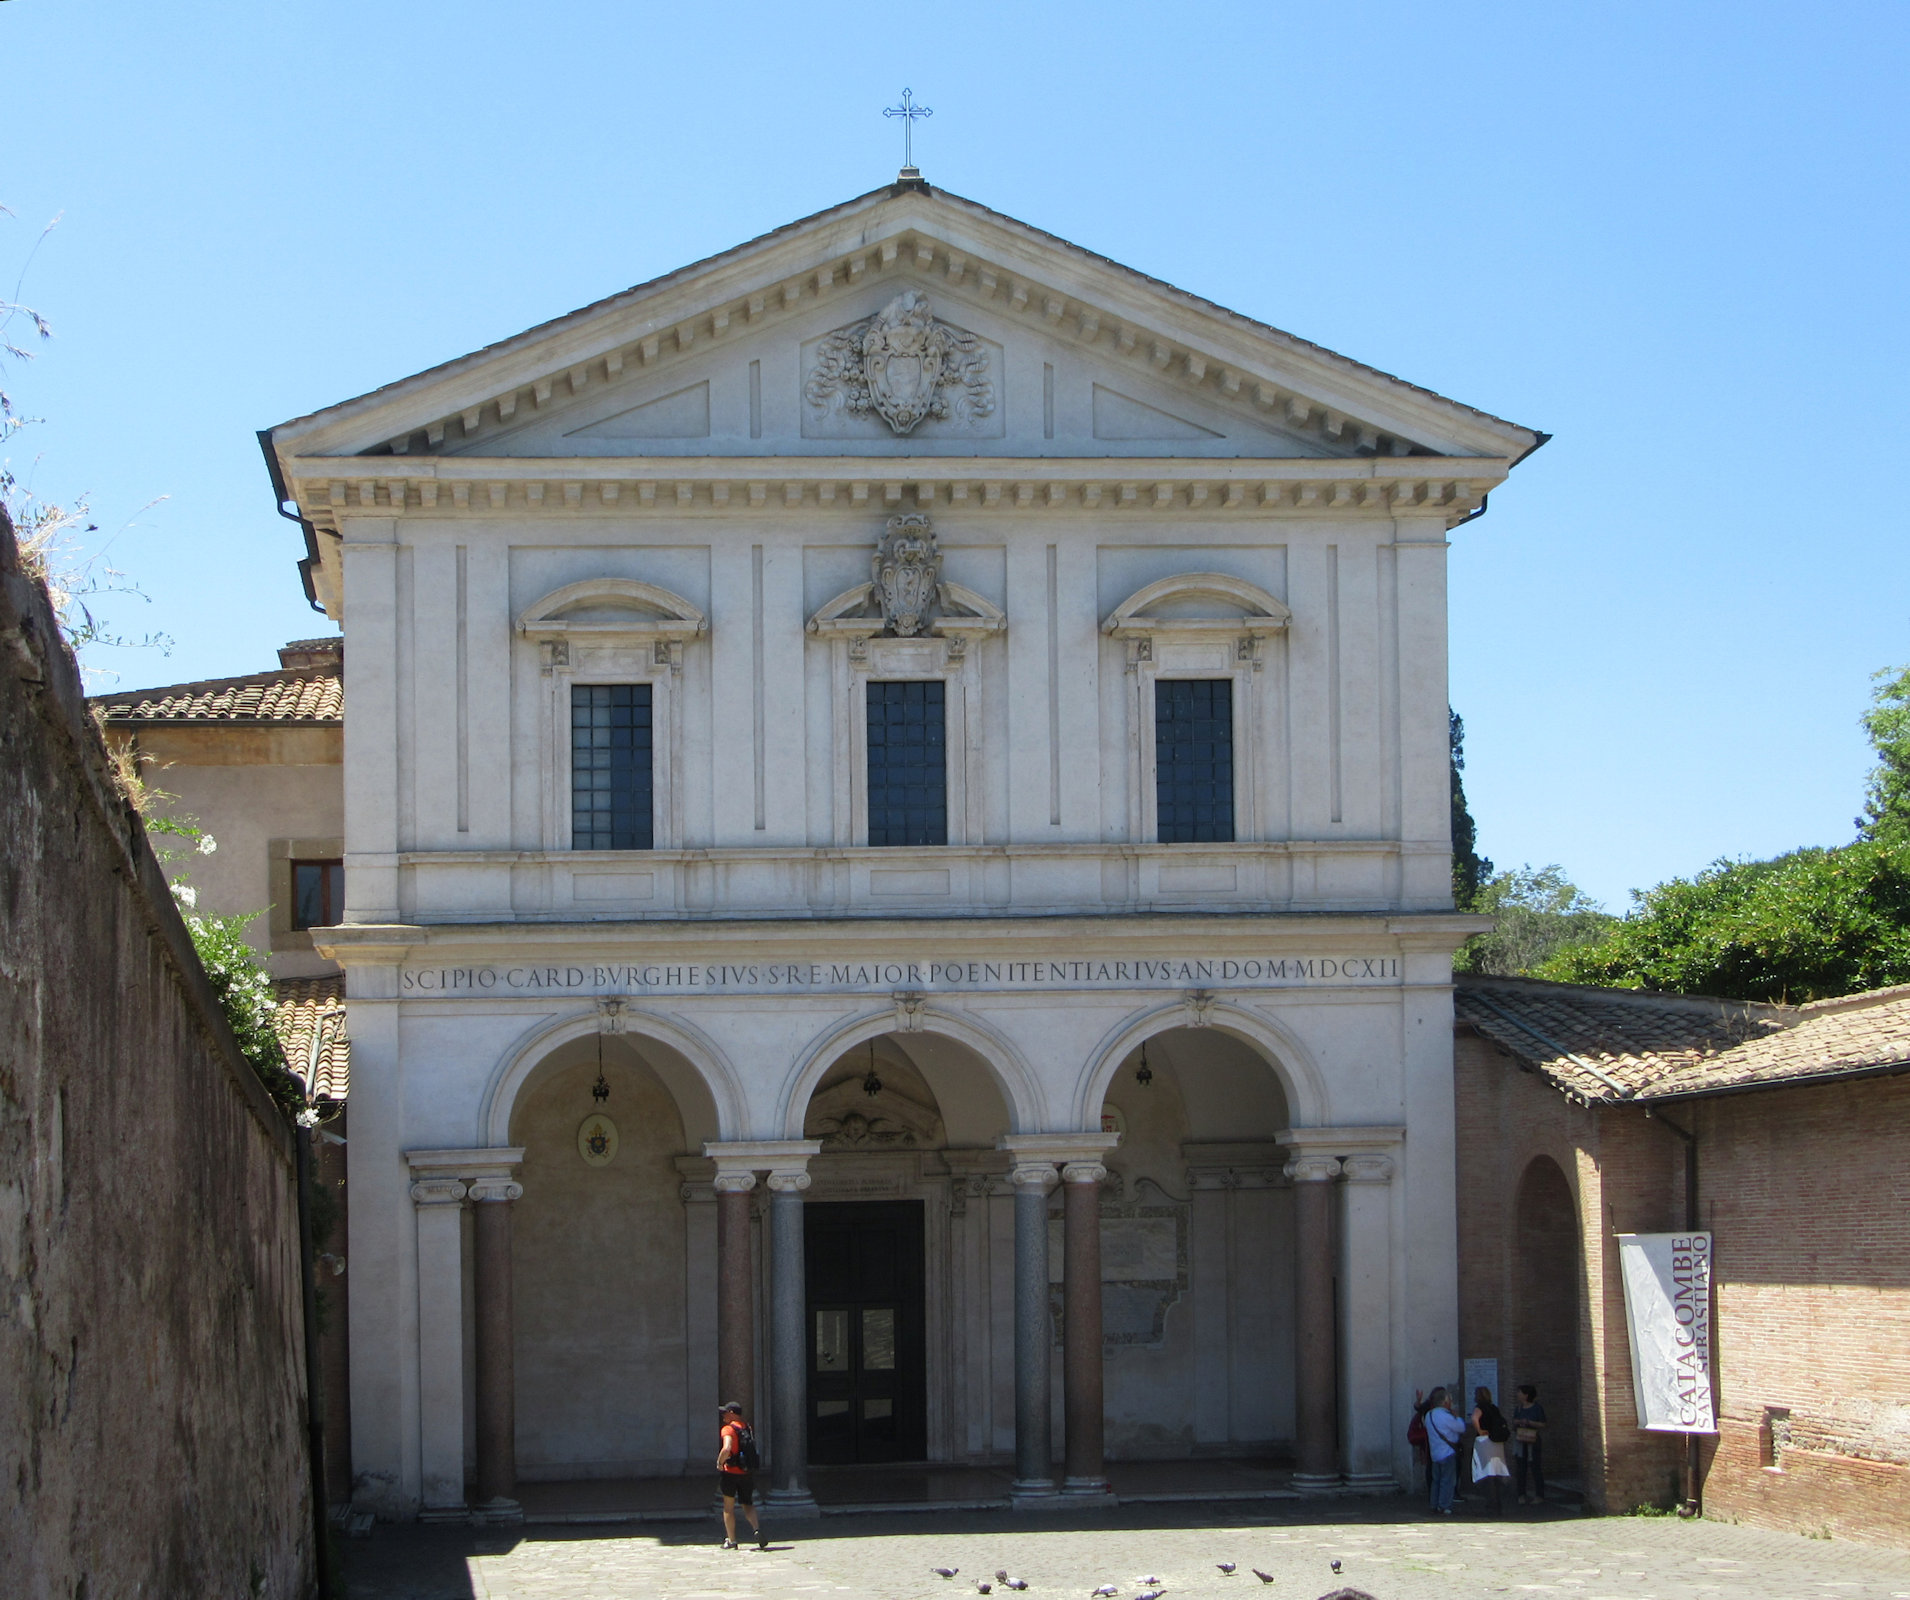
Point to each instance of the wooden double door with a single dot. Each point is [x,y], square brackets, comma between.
[868,1378]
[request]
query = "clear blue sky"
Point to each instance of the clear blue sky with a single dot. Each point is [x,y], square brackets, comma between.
[1671,235]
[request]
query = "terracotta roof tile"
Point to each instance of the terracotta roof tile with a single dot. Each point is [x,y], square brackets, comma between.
[312,1008]
[1607,1044]
[303,694]
[1857,1033]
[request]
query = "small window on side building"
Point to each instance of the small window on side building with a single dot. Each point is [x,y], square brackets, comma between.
[1194,760]
[908,762]
[318,894]
[612,787]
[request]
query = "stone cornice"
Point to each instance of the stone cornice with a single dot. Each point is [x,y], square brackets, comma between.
[1441,490]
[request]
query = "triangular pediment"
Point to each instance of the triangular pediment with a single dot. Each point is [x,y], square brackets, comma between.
[1039,349]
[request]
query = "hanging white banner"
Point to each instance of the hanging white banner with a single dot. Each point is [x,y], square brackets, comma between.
[1667,1279]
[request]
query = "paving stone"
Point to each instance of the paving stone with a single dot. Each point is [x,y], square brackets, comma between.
[1391,1549]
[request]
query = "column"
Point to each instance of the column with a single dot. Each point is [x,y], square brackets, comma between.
[1081,1353]
[1034,1465]
[1366,1297]
[496,1349]
[788,1346]
[1318,1445]
[439,1203]
[735,1301]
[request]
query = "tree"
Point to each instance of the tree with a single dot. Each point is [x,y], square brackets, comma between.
[1887,794]
[1804,926]
[1470,870]
[1539,912]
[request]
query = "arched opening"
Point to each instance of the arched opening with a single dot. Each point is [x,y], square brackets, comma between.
[899,1225]
[1545,1315]
[601,1252]
[1197,1227]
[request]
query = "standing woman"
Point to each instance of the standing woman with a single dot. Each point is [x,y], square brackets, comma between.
[1488,1447]
[1528,1444]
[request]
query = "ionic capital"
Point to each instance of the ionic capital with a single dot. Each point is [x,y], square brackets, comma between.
[1039,1176]
[438,1192]
[1083,1172]
[733,1182]
[1368,1168]
[788,1182]
[495,1190]
[1313,1169]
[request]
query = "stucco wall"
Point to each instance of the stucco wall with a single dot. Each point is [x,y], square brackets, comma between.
[151,1362]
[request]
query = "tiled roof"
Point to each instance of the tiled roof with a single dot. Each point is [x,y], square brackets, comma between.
[1857,1033]
[303,694]
[315,1008]
[1609,1044]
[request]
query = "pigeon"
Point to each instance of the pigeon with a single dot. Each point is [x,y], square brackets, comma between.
[1001,1574]
[1264,1577]
[945,1572]
[1015,1583]
[983,1587]
[1336,1566]
[1104,1592]
[1148,1583]
[1226,1566]
[1150,1594]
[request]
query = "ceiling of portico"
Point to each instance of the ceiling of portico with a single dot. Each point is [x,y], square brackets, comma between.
[1066,355]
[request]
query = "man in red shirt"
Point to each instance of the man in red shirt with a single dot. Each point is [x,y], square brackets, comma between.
[736,1474]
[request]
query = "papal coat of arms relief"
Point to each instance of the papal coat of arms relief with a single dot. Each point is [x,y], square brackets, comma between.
[903,365]
[906,571]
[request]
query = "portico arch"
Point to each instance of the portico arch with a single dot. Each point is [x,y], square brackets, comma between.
[1027,1105]
[693,1068]
[1289,1060]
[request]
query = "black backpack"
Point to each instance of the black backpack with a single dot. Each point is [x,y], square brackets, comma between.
[1498,1430]
[746,1456]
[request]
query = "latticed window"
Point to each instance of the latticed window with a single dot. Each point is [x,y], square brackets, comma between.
[1194,759]
[611,786]
[908,763]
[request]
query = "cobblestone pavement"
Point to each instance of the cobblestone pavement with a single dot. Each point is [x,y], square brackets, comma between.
[1390,1549]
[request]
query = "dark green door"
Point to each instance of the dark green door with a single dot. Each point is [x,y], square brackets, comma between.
[868,1388]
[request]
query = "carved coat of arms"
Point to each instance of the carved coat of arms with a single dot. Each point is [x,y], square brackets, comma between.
[906,571]
[903,365]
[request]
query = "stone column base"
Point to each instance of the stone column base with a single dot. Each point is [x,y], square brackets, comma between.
[1318,1483]
[1088,1492]
[790,1503]
[1371,1483]
[444,1514]
[1033,1494]
[501,1512]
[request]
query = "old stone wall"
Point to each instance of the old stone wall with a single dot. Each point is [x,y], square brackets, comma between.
[151,1356]
[1808,1192]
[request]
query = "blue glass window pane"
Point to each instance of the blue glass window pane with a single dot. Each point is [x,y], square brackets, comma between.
[1194,760]
[908,767]
[611,781]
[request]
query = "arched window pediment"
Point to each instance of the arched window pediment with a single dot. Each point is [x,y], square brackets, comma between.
[612,608]
[959,610]
[1197,603]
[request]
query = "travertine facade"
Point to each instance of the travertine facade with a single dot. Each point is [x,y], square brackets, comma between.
[906,441]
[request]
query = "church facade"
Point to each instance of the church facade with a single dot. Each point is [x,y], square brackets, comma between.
[896,868]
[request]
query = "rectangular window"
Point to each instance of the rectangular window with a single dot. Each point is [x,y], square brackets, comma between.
[908,763]
[610,772]
[1194,760]
[318,894]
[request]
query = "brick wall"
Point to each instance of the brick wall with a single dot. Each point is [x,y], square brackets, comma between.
[1530,1269]
[151,1354]
[1808,1192]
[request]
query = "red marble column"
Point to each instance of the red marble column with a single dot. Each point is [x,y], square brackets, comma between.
[1318,1412]
[1081,1356]
[496,1345]
[735,1292]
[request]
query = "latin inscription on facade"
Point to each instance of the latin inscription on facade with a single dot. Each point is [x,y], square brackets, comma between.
[885,977]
